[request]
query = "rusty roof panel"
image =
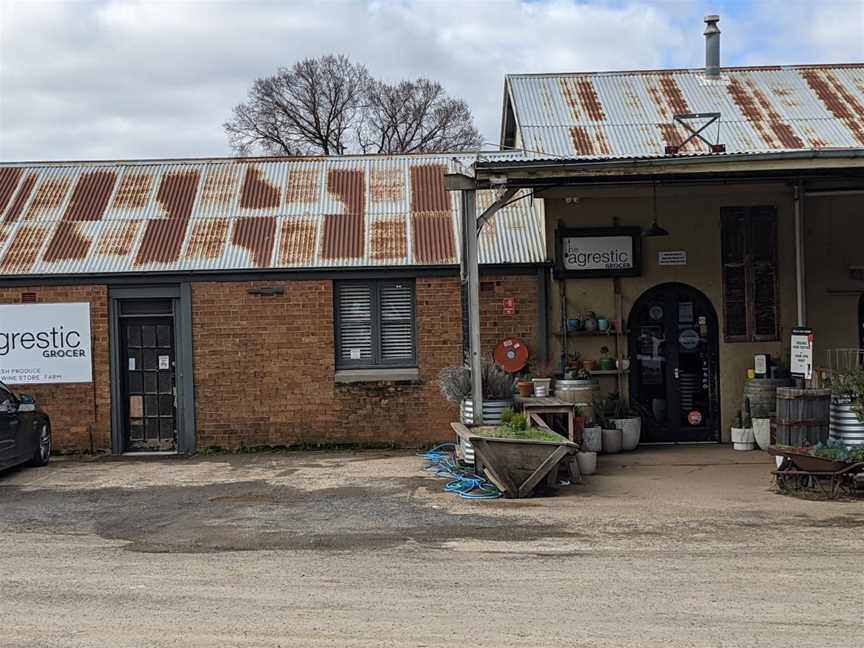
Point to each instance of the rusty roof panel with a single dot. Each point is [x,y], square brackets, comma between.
[67,243]
[117,237]
[433,238]
[9,177]
[389,240]
[90,196]
[297,247]
[207,238]
[189,215]
[258,236]
[761,110]
[163,238]
[257,192]
[23,251]
[302,186]
[427,189]
[48,199]
[20,199]
[133,192]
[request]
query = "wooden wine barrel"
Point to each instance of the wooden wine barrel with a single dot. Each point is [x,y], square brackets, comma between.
[803,416]
[762,393]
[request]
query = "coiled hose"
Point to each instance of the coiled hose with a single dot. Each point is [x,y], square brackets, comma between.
[463,482]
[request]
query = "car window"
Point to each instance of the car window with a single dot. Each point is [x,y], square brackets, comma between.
[6,399]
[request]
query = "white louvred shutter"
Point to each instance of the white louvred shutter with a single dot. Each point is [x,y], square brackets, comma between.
[397,322]
[355,322]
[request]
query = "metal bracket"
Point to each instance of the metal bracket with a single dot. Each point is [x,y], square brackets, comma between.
[487,215]
[672,149]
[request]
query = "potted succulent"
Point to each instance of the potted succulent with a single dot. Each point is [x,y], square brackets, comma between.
[606,363]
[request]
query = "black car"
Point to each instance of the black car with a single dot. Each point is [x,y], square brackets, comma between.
[25,431]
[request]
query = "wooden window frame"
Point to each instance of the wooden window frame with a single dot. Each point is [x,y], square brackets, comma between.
[751,213]
[376,362]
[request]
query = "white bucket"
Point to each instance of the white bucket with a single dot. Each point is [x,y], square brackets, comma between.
[743,439]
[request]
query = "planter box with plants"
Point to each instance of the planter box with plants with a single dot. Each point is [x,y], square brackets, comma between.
[518,457]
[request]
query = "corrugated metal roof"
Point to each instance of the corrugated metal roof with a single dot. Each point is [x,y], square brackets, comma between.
[630,114]
[240,214]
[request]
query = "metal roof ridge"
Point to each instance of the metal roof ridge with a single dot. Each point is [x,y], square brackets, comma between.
[237,159]
[699,70]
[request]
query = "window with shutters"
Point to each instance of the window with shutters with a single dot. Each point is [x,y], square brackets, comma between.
[749,240]
[375,324]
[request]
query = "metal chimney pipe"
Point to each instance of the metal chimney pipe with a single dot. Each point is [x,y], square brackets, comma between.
[712,47]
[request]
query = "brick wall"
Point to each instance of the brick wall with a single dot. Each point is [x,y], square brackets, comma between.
[264,369]
[80,413]
[494,324]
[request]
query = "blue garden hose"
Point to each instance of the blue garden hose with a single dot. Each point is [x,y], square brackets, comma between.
[442,462]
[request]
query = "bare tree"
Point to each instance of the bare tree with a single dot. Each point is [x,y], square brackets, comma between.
[332,106]
[310,107]
[415,117]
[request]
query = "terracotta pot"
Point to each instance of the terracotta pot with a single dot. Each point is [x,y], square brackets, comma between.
[590,365]
[525,388]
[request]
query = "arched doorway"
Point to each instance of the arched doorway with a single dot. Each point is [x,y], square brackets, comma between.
[674,341]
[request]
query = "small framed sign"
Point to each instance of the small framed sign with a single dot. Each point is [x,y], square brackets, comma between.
[672,258]
[598,252]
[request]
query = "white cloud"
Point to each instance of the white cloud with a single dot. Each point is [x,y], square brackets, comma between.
[117,79]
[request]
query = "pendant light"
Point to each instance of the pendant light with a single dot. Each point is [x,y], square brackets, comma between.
[655,229]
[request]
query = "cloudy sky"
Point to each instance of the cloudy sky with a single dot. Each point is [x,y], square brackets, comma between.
[112,79]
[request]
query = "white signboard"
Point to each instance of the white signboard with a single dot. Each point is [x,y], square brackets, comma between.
[45,343]
[597,252]
[672,258]
[801,363]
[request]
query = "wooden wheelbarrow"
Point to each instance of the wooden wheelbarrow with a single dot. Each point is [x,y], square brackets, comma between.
[517,466]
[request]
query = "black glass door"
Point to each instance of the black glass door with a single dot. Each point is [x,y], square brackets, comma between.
[149,384]
[674,378]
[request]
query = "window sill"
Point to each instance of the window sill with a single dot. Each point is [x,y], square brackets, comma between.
[346,376]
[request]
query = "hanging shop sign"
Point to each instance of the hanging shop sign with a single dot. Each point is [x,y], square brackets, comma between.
[599,252]
[45,343]
[801,357]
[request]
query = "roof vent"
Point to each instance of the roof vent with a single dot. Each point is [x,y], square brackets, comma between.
[712,47]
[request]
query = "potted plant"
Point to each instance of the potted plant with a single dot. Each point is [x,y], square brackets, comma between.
[543,373]
[525,385]
[627,420]
[455,385]
[606,363]
[587,461]
[742,429]
[611,437]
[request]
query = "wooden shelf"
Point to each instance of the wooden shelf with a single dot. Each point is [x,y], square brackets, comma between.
[575,334]
[609,372]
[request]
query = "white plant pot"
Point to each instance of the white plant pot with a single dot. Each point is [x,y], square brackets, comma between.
[762,432]
[631,431]
[587,462]
[592,439]
[743,439]
[612,440]
[542,387]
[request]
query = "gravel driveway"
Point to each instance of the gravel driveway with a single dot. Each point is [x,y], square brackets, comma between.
[664,547]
